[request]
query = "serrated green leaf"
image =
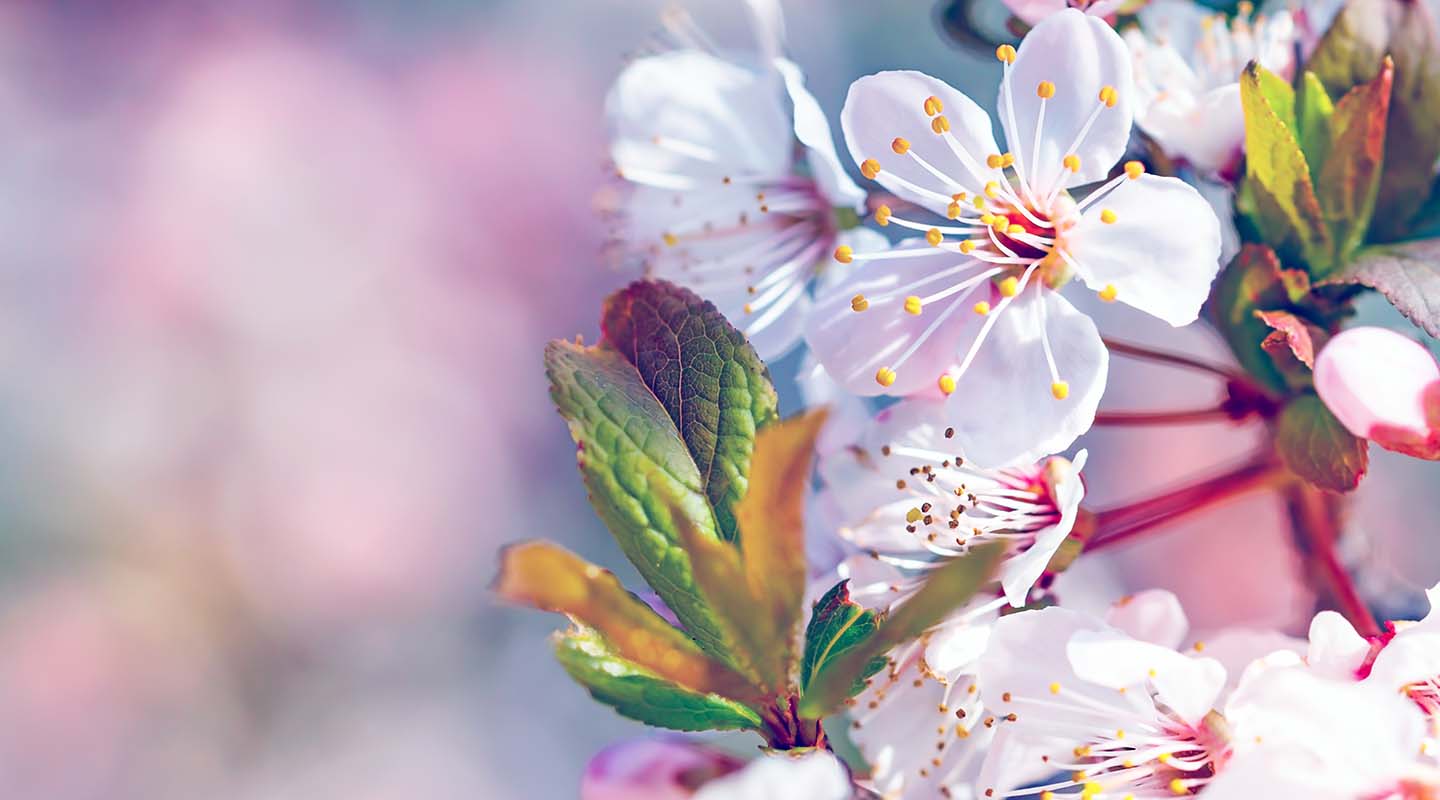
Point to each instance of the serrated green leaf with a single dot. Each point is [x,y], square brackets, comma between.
[705,374]
[1408,275]
[837,624]
[1350,54]
[945,589]
[1350,177]
[1313,110]
[1316,447]
[1253,281]
[638,474]
[1288,214]
[640,694]
[547,576]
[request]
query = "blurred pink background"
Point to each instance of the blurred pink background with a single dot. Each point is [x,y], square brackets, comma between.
[274,283]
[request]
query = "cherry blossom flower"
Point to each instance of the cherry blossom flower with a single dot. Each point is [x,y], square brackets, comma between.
[1032,11]
[1188,61]
[715,194]
[652,769]
[910,499]
[1086,709]
[914,319]
[1383,386]
[781,776]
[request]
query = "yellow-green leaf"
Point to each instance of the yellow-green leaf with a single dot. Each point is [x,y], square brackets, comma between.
[1350,175]
[549,577]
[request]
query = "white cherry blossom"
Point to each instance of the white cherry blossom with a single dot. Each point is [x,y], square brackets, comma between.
[972,309]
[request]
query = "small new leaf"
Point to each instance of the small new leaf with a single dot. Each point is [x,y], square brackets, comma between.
[1350,176]
[1316,447]
[1407,274]
[640,694]
[1313,110]
[1253,281]
[945,589]
[551,578]
[1288,214]
[1291,343]
[837,624]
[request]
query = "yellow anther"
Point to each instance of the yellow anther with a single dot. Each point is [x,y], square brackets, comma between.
[912,305]
[1047,795]
[870,168]
[1109,96]
[1199,647]
[968,246]
[1109,293]
[1000,223]
[844,254]
[953,210]
[748,309]
[1108,217]
[913,515]
[994,161]
[1134,169]
[1082,751]
[885,376]
[1055,688]
[1091,789]
[900,146]
[1010,286]
[982,308]
[992,189]
[978,201]
[946,384]
[958,197]
[858,303]
[1120,734]
[1007,160]
[940,124]
[987,219]
[1014,229]
[1072,162]
[1061,390]
[882,215]
[1045,90]
[933,105]
[933,237]
[670,239]
[1178,786]
[1005,53]
[1163,758]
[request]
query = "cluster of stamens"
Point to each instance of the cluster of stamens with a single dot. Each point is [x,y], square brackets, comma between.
[1007,228]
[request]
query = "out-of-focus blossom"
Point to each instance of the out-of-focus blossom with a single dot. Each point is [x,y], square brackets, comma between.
[1032,11]
[814,775]
[652,769]
[914,319]
[1296,734]
[715,193]
[1188,61]
[1383,386]
[1116,714]
[911,499]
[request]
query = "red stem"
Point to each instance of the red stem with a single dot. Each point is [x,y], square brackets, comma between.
[1134,418]
[1314,520]
[1116,525]
[1176,359]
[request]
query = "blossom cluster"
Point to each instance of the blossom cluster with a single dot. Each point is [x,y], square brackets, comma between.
[1161,155]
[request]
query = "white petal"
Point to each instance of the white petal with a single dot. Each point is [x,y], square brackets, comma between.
[778,776]
[1153,616]
[1336,650]
[853,346]
[721,118]
[1161,253]
[1002,410]
[957,649]
[1189,686]
[1206,129]
[813,131]
[1021,571]
[887,105]
[1081,55]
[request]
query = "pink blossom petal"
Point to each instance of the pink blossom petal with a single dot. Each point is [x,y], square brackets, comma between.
[1385,387]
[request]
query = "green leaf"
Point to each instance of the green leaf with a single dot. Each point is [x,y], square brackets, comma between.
[1316,447]
[549,577]
[705,374]
[1313,110]
[945,589]
[837,625]
[1287,213]
[636,470]
[640,694]
[1254,281]
[1351,54]
[1350,177]
[663,413]
[1407,274]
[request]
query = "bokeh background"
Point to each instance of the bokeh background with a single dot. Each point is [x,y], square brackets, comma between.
[274,283]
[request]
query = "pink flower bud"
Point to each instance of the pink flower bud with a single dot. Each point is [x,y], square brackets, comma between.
[1385,387]
[652,769]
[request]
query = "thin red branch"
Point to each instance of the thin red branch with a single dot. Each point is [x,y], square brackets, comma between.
[1176,359]
[1137,418]
[1314,518]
